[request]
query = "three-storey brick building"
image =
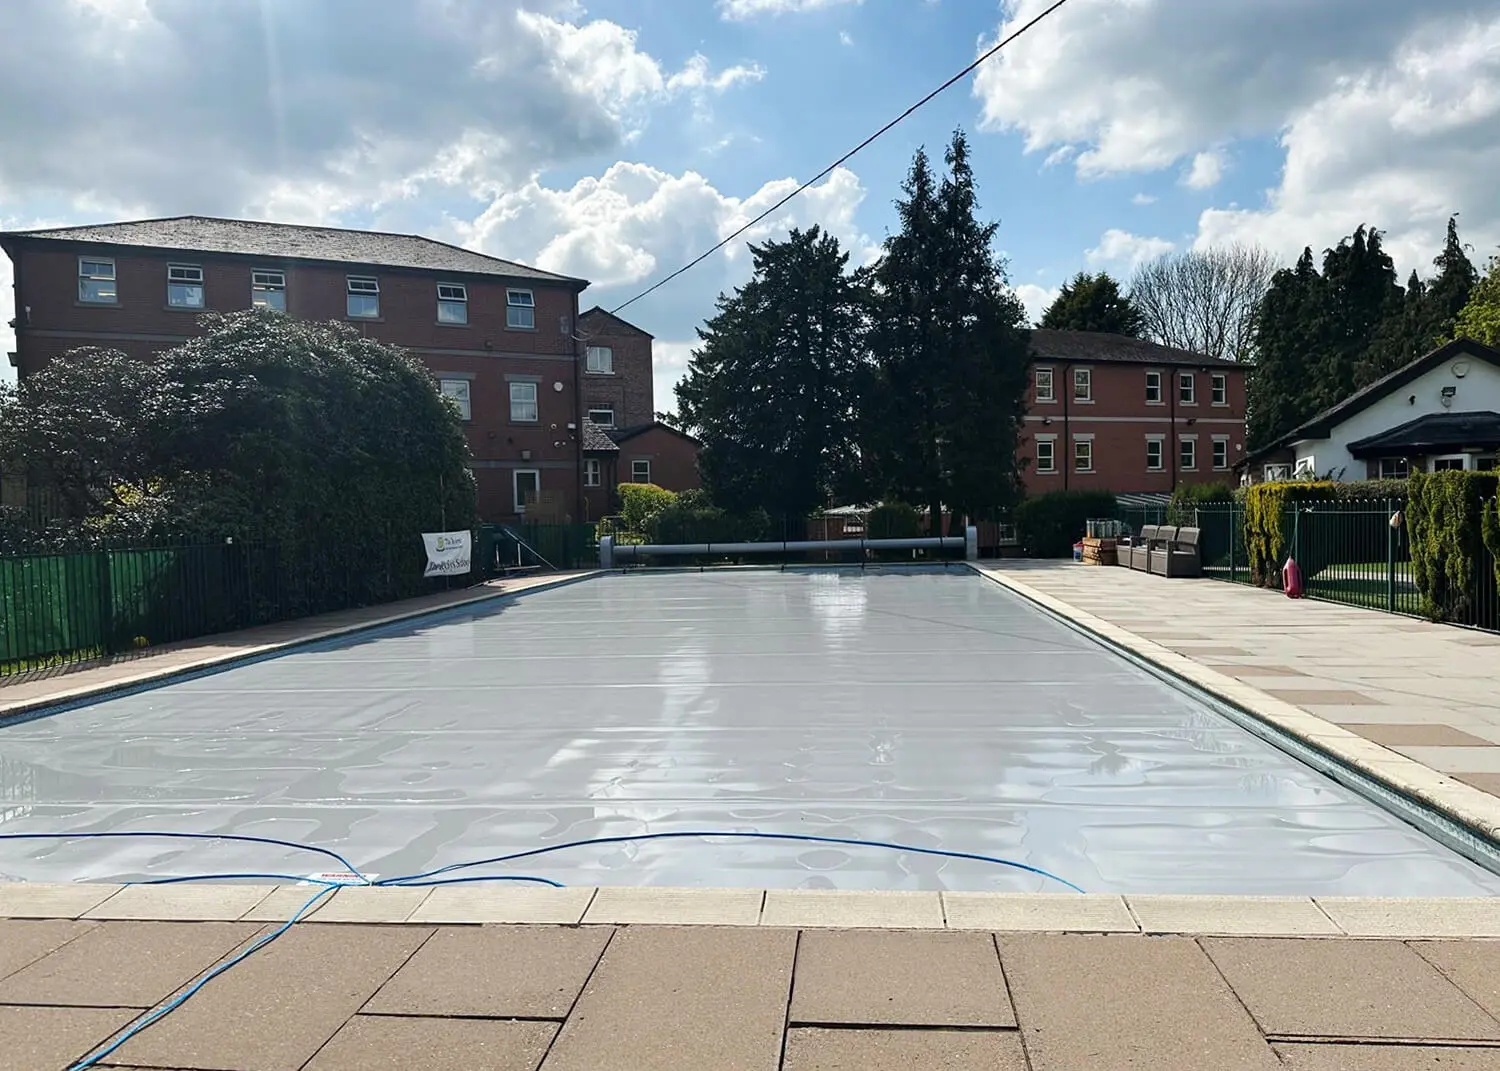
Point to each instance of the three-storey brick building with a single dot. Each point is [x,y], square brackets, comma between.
[1110,413]
[500,337]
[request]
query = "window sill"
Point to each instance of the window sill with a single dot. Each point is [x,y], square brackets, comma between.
[1083,401]
[184,308]
[1187,405]
[364,319]
[1220,405]
[591,372]
[1045,401]
[1151,403]
[526,423]
[1083,472]
[523,330]
[448,323]
[1046,472]
[96,304]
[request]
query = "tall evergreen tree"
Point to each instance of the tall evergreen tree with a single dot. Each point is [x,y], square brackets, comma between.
[951,351]
[1093,303]
[1288,338]
[1450,291]
[1361,291]
[1427,314]
[770,393]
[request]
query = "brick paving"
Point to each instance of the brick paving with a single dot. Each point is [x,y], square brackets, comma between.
[354,997]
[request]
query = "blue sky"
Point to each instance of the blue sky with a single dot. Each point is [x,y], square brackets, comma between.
[619,138]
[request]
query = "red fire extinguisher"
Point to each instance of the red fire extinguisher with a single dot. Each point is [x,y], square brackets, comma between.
[1291,573]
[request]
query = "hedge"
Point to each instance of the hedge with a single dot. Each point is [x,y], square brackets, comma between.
[1269,531]
[1187,499]
[894,520]
[1446,518]
[1049,525]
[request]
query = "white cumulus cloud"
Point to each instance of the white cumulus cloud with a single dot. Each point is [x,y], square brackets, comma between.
[1121,252]
[740,10]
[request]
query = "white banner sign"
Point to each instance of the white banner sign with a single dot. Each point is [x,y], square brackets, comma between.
[447,553]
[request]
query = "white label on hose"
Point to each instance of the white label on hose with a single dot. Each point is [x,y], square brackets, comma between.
[342,877]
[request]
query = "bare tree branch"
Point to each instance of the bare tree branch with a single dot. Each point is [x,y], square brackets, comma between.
[1203,300]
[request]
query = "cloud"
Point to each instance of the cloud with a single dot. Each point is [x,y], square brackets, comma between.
[1205,171]
[1143,199]
[1388,112]
[1122,252]
[670,362]
[741,10]
[298,111]
[1036,299]
[845,39]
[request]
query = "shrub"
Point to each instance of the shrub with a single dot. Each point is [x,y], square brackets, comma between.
[639,502]
[1187,499]
[1049,525]
[894,520]
[1269,532]
[1446,519]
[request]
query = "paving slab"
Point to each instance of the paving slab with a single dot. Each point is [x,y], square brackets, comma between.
[810,1048]
[899,978]
[1473,966]
[356,903]
[183,903]
[1112,1002]
[1367,1057]
[1407,917]
[131,965]
[681,907]
[24,941]
[44,1039]
[668,998]
[1259,915]
[504,972]
[505,903]
[277,1008]
[852,909]
[1038,912]
[1346,989]
[24,900]
[1398,734]
[374,1043]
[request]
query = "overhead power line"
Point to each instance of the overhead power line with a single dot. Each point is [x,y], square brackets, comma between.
[960,76]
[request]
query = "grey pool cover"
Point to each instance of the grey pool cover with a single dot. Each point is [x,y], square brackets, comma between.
[929,708]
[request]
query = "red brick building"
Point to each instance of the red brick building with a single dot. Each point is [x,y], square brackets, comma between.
[1110,413]
[499,337]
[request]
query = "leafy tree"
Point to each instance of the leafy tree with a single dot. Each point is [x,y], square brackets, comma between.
[1480,318]
[951,351]
[265,428]
[1203,300]
[771,392]
[1093,303]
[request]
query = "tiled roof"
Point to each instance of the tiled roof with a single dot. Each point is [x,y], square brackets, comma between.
[1095,346]
[621,435]
[205,234]
[596,438]
[609,321]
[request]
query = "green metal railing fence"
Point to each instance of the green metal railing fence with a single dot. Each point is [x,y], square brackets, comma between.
[1349,552]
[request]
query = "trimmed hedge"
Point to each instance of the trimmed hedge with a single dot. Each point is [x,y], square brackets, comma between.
[1446,518]
[1049,525]
[1186,500]
[894,520]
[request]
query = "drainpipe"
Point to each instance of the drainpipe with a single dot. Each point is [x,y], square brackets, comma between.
[1172,445]
[576,344]
[1067,458]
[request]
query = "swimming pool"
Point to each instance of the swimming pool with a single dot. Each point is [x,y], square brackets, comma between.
[930,708]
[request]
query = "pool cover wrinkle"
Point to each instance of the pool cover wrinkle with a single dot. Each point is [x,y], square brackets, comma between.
[926,708]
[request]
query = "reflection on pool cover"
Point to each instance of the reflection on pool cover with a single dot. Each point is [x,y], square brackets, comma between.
[930,708]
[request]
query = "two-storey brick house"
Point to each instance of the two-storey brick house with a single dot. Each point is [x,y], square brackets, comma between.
[501,338]
[1110,413]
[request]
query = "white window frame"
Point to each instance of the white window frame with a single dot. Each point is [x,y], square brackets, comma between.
[602,409]
[1392,461]
[599,360]
[1220,442]
[458,392]
[1086,441]
[1304,468]
[1187,444]
[96,274]
[520,310]
[1153,383]
[1187,388]
[515,486]
[265,282]
[1277,473]
[1050,442]
[637,466]
[1044,376]
[1218,388]
[519,389]
[593,472]
[361,286]
[453,304]
[1083,378]
[1462,459]
[188,278]
[1160,442]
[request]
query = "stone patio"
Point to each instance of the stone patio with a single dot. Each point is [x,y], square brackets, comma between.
[1156,989]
